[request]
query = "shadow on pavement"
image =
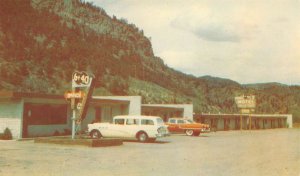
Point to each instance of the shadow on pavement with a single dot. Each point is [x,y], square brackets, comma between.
[155,142]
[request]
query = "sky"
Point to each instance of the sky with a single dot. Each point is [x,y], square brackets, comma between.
[248,41]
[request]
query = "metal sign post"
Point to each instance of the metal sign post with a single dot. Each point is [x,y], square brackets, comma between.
[81,81]
[73,123]
[246,104]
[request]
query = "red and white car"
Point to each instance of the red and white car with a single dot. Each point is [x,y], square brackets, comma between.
[187,126]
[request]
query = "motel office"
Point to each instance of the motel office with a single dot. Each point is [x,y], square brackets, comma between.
[33,114]
[245,121]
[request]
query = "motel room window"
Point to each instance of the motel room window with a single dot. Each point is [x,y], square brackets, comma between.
[46,114]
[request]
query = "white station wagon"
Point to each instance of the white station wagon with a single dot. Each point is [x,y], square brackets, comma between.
[142,128]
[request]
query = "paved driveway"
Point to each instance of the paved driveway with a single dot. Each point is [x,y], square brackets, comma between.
[266,152]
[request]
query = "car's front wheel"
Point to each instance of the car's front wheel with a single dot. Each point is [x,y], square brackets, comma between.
[189,132]
[142,137]
[95,134]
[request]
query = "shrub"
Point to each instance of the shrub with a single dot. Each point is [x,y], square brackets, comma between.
[7,135]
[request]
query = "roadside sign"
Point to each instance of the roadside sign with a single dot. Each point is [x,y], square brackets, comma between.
[71,94]
[81,79]
[245,102]
[245,111]
[80,99]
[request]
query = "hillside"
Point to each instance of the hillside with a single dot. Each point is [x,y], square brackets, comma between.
[43,41]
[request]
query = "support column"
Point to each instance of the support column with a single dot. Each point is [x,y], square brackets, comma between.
[250,122]
[73,123]
[241,122]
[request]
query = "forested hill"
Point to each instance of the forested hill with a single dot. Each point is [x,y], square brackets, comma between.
[43,41]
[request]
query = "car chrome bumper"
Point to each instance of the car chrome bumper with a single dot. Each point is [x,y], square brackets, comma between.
[162,135]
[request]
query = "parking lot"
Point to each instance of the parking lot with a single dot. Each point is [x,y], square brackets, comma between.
[265,152]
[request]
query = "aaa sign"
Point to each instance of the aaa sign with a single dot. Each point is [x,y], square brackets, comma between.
[81,79]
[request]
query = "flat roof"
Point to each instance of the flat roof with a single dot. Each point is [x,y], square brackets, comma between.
[12,94]
[164,106]
[109,101]
[19,95]
[247,115]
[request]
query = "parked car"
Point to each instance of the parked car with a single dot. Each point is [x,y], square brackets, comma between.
[142,128]
[187,126]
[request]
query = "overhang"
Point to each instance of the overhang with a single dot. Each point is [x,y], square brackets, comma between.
[161,107]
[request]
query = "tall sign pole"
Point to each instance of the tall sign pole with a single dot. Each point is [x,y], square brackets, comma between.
[246,105]
[82,89]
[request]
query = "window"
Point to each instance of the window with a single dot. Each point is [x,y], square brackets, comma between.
[180,121]
[172,121]
[132,122]
[46,114]
[119,121]
[147,122]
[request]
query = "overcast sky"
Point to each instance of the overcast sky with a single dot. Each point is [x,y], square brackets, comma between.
[248,41]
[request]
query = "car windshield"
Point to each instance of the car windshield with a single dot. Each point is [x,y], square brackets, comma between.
[160,121]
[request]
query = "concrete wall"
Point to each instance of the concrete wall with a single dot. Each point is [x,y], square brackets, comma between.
[187,108]
[11,117]
[134,102]
[46,130]
[289,121]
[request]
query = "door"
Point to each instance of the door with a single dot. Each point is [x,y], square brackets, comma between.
[180,127]
[26,115]
[98,115]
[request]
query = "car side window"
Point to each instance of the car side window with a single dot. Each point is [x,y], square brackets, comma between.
[180,121]
[132,122]
[172,121]
[119,121]
[147,122]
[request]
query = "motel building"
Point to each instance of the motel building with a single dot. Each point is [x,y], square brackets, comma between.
[223,122]
[34,114]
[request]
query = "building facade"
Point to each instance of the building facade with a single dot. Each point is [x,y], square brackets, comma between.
[34,115]
[246,121]
[166,111]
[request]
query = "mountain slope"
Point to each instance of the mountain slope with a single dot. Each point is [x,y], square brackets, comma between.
[43,41]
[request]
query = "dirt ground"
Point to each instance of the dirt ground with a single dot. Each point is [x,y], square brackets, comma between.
[273,152]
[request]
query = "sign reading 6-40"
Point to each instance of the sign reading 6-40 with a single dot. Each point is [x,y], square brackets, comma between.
[81,79]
